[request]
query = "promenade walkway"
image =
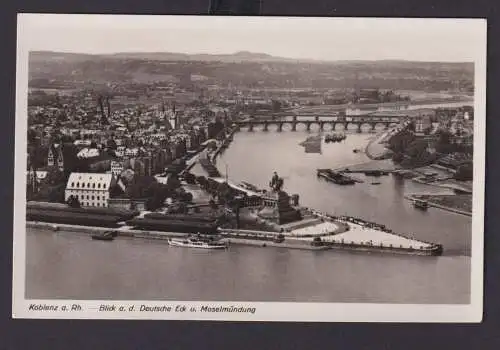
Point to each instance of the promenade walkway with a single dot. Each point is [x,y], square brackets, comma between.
[364,235]
[321,229]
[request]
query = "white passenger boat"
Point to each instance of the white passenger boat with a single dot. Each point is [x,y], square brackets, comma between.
[192,242]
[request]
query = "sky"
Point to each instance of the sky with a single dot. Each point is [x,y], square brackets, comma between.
[450,40]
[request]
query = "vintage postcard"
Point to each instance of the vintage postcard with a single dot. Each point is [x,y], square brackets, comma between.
[249,168]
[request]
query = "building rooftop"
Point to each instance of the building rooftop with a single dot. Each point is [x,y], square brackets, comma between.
[89,181]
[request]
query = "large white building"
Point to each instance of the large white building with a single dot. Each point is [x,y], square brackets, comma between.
[91,189]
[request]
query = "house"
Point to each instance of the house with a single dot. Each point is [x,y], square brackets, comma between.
[422,123]
[34,178]
[120,151]
[82,143]
[132,152]
[91,189]
[116,168]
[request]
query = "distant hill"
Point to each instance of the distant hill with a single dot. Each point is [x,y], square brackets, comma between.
[158,56]
[247,69]
[234,57]
[47,56]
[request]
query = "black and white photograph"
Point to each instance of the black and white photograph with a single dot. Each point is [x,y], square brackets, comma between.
[249,168]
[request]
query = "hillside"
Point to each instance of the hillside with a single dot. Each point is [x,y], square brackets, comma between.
[247,69]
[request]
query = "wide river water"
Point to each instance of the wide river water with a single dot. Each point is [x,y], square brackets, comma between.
[69,265]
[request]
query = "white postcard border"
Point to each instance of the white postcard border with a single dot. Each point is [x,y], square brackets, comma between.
[264,311]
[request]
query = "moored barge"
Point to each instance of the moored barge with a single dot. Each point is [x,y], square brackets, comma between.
[335,177]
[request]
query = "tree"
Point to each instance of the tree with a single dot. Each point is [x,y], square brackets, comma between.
[464,172]
[115,191]
[202,181]
[224,193]
[56,193]
[54,176]
[190,178]
[173,182]
[101,166]
[73,202]
[397,157]
[31,136]
[111,144]
[213,205]
[235,204]
[141,187]
[443,144]
[156,195]
[416,148]
[82,165]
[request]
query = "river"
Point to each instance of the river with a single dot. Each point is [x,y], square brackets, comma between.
[70,265]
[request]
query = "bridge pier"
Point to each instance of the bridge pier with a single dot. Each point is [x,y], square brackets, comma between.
[346,125]
[266,126]
[321,125]
[294,126]
[373,126]
[250,128]
[308,126]
[359,128]
[386,126]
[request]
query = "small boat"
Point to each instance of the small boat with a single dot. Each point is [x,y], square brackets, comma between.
[376,183]
[105,236]
[420,204]
[356,150]
[192,242]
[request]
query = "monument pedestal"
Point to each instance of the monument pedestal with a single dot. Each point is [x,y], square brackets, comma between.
[283,212]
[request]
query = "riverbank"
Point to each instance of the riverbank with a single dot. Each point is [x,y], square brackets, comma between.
[447,184]
[357,238]
[411,105]
[375,149]
[455,203]
[265,239]
[228,138]
[385,165]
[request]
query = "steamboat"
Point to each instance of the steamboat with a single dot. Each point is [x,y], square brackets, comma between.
[198,242]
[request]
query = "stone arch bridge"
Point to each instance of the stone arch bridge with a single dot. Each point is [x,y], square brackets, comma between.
[359,121]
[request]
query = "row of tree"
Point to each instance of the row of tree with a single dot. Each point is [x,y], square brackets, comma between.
[410,151]
[155,193]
